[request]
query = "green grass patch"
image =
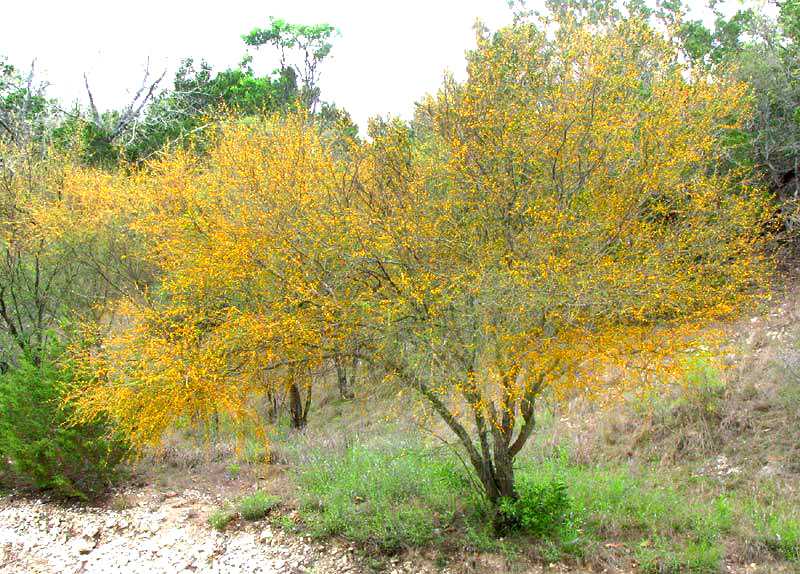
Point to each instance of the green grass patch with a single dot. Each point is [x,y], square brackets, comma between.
[667,531]
[390,497]
[220,518]
[668,557]
[777,525]
[257,505]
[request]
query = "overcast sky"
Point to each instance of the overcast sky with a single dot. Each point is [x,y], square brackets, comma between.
[389,54]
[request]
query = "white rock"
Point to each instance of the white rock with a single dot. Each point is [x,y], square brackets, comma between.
[84,545]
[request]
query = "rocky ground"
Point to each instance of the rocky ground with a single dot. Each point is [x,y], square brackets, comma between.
[162,533]
[150,532]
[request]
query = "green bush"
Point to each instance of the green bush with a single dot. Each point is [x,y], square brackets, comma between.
[257,505]
[41,450]
[542,507]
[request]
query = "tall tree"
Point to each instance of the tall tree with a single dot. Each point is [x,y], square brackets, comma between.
[311,41]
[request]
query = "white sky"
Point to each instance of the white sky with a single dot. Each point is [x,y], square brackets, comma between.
[389,54]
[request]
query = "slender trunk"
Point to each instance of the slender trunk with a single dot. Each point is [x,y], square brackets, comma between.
[296,407]
[345,385]
[308,402]
[503,467]
[272,404]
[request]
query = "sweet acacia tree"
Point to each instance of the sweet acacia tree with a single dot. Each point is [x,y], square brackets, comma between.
[555,219]
[554,222]
[248,292]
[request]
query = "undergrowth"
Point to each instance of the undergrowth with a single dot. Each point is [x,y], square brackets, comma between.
[390,498]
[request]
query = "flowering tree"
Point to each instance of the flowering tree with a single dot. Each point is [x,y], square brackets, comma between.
[555,222]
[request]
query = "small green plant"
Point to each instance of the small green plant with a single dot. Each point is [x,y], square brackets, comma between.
[257,505]
[542,507]
[234,469]
[220,518]
[705,388]
[254,452]
[782,535]
[287,524]
[663,557]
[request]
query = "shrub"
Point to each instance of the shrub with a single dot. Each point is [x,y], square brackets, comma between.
[39,446]
[542,507]
[257,505]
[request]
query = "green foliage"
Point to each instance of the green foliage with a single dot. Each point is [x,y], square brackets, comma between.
[777,526]
[254,452]
[392,498]
[705,387]
[663,557]
[220,518]
[199,94]
[25,112]
[542,507]
[234,469]
[312,42]
[311,39]
[669,531]
[45,452]
[257,505]
[783,536]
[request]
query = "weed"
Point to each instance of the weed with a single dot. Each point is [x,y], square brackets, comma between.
[541,508]
[220,518]
[254,452]
[257,505]
[287,524]
[781,534]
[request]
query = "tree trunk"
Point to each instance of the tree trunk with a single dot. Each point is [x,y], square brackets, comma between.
[345,385]
[296,410]
[272,404]
[504,471]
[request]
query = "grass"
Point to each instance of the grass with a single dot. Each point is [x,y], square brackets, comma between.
[257,505]
[776,524]
[391,497]
[250,507]
[668,514]
[665,528]
[394,498]
[220,518]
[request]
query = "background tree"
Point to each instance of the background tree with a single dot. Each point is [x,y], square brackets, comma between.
[762,52]
[197,96]
[311,41]
[61,256]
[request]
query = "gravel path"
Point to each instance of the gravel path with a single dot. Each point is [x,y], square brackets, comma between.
[165,535]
